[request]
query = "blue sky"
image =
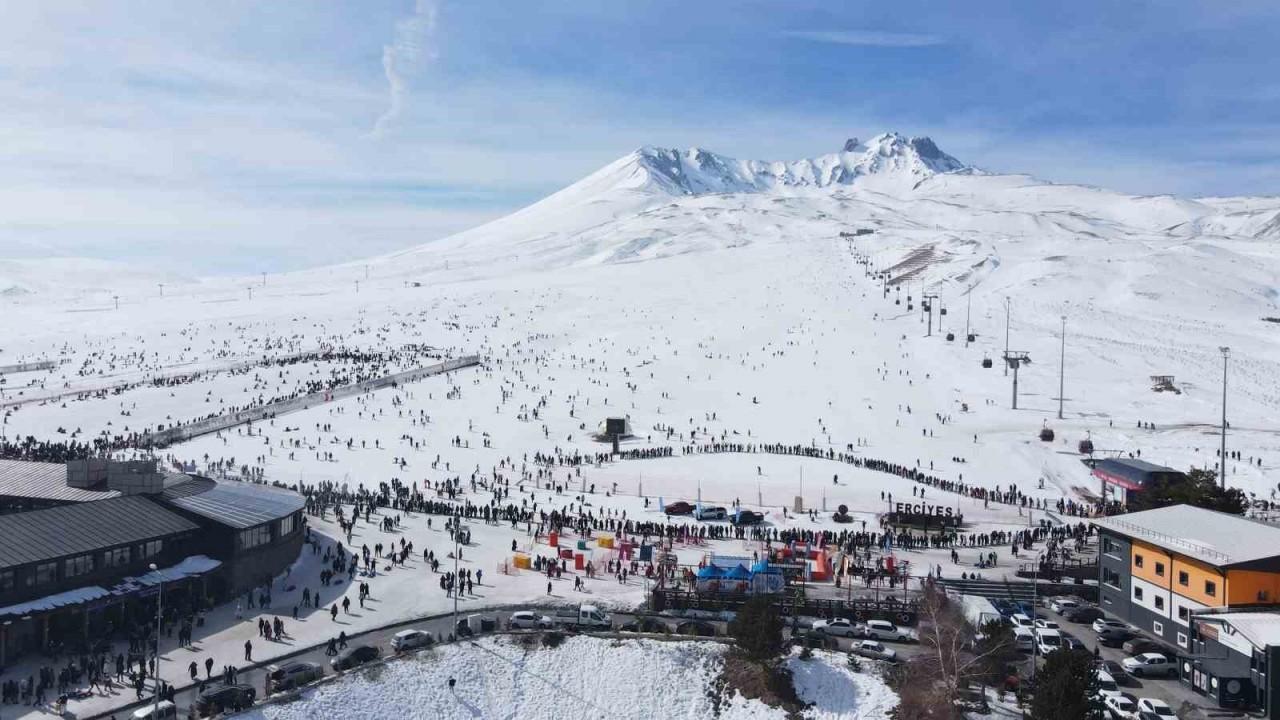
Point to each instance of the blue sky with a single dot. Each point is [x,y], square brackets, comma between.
[236,136]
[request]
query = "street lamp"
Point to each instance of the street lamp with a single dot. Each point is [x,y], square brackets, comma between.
[1222,460]
[155,708]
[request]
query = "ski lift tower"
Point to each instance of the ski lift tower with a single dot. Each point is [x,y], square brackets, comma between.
[927,306]
[1015,359]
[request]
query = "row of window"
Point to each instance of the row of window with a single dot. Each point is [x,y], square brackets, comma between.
[261,535]
[73,567]
[1184,579]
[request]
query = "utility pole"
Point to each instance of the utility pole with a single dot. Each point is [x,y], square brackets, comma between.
[968,308]
[1008,309]
[1222,460]
[1062,366]
[117,299]
[927,302]
[155,707]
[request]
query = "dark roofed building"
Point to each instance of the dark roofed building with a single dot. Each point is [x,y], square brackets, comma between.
[1122,477]
[28,485]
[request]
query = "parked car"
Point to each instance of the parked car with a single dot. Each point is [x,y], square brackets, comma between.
[746,517]
[410,639]
[1104,623]
[1071,642]
[1023,639]
[354,656]
[839,626]
[588,617]
[1044,624]
[1022,620]
[528,620]
[679,507]
[221,698]
[1150,664]
[885,630]
[875,651]
[1157,707]
[1122,706]
[645,625]
[1107,684]
[1115,670]
[712,513]
[165,710]
[1048,641]
[1138,645]
[293,674]
[1114,637]
[1084,614]
[696,628]
[1062,604]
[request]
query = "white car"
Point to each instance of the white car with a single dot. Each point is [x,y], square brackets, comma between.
[1107,684]
[1063,604]
[528,620]
[874,650]
[1149,665]
[1102,624]
[712,513]
[1121,706]
[1043,624]
[1021,620]
[885,630]
[410,639]
[839,626]
[1048,641]
[164,710]
[1156,707]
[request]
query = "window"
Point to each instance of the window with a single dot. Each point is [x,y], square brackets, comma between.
[1160,569]
[254,536]
[1157,628]
[116,557]
[6,580]
[1137,560]
[1159,602]
[44,574]
[1210,588]
[1111,577]
[1183,613]
[1137,593]
[1183,578]
[1182,639]
[150,549]
[1110,547]
[287,525]
[78,565]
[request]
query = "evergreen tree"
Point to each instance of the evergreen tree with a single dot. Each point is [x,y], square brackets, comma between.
[1067,687]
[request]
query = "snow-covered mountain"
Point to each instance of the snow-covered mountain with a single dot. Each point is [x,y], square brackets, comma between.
[697,171]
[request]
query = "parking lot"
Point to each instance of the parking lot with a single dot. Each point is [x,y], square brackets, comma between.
[1171,690]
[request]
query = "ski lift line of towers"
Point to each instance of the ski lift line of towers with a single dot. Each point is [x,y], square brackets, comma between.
[1013,359]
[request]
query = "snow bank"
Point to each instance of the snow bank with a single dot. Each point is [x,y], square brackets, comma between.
[582,678]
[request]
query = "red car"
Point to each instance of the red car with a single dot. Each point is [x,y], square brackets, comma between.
[678,508]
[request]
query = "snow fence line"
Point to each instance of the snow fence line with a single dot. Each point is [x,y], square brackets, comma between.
[180,433]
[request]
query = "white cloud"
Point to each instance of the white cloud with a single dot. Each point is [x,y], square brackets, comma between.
[867,38]
[412,46]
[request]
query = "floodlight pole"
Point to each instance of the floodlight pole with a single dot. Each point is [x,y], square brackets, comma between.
[1062,365]
[1007,310]
[1222,460]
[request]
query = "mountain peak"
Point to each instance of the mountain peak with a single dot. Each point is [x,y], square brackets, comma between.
[698,171]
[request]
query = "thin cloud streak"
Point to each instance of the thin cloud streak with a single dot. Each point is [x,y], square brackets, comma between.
[867,38]
[412,46]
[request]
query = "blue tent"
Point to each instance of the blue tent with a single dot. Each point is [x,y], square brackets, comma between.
[760,566]
[709,572]
[738,573]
